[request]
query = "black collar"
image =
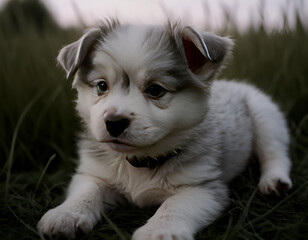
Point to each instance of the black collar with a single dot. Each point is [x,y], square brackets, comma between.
[152,162]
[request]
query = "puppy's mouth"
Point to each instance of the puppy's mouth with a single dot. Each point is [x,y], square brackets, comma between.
[121,146]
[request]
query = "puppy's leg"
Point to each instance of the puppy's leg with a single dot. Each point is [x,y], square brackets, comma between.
[271,140]
[80,211]
[184,213]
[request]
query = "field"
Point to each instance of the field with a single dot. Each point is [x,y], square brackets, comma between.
[38,128]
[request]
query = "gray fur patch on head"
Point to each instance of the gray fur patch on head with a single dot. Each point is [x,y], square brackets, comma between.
[166,59]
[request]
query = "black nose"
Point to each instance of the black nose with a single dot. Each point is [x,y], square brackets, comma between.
[116,128]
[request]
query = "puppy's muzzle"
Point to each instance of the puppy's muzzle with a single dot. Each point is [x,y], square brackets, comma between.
[117,127]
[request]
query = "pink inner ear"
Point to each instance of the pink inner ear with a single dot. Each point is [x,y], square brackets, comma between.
[194,57]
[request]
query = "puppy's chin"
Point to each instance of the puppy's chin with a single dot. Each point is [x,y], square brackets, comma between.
[170,142]
[135,144]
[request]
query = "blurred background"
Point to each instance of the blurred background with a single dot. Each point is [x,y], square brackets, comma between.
[38,124]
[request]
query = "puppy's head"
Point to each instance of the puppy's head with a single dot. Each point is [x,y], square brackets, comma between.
[142,89]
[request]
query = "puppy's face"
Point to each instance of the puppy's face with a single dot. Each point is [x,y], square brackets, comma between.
[141,88]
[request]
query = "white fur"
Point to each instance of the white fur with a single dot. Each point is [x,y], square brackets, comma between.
[218,133]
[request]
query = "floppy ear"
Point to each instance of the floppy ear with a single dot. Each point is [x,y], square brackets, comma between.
[204,53]
[72,56]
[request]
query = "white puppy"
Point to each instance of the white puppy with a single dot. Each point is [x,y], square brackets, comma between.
[160,131]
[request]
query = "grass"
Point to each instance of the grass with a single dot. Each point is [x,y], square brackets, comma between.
[38,131]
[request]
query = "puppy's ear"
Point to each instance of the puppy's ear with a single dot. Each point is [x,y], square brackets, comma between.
[204,53]
[72,56]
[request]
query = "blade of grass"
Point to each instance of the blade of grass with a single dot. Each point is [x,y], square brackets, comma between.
[26,225]
[47,106]
[225,236]
[244,215]
[114,227]
[43,173]
[247,207]
[10,159]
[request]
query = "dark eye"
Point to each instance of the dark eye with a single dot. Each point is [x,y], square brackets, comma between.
[155,91]
[101,87]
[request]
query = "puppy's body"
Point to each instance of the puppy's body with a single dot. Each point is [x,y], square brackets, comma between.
[146,92]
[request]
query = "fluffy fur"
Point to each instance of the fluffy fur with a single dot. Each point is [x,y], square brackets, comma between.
[159,79]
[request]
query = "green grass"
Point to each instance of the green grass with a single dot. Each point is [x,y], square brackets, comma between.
[39,126]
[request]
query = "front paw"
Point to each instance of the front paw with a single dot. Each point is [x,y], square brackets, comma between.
[66,222]
[275,184]
[148,232]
